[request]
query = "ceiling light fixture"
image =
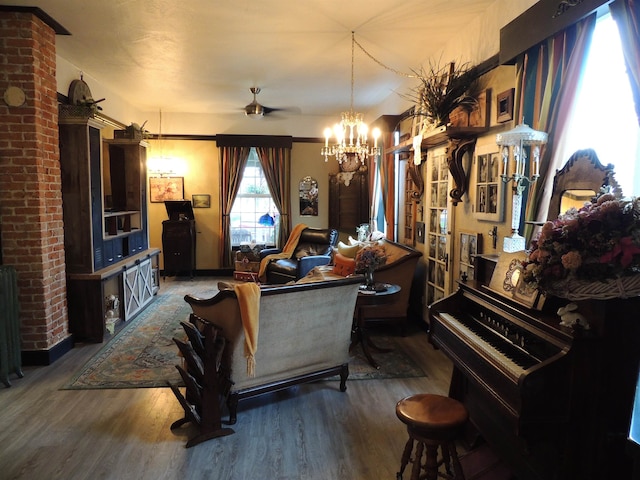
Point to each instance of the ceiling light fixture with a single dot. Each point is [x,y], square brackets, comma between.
[351,133]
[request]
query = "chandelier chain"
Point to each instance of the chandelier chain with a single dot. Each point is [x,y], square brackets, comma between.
[397,72]
[353,41]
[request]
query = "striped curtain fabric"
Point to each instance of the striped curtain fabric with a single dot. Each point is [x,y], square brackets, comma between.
[548,75]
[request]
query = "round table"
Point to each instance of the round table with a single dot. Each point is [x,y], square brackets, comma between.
[370,299]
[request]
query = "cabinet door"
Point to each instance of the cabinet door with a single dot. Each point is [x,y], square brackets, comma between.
[131,289]
[145,282]
[138,288]
[438,233]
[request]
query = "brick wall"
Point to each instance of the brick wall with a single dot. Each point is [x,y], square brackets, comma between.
[30,182]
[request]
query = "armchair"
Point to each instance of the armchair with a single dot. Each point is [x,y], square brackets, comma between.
[314,248]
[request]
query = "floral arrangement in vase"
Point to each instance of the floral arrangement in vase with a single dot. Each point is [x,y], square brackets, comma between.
[368,259]
[596,243]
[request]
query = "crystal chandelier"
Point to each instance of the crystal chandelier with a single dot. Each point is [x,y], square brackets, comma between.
[351,133]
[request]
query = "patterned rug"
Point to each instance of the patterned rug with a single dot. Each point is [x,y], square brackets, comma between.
[143,353]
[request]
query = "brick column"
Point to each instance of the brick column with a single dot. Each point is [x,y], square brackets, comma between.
[30,184]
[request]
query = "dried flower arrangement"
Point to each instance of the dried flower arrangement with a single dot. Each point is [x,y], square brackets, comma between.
[596,243]
[443,89]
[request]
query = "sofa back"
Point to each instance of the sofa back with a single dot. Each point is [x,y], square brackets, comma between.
[302,329]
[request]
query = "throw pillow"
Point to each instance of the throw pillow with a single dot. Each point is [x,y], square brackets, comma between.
[348,251]
[343,266]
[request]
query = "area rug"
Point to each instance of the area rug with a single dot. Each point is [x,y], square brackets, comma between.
[143,353]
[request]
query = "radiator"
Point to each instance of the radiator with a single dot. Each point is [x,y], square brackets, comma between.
[10,360]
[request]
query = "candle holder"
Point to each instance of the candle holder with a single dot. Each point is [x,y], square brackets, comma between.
[512,145]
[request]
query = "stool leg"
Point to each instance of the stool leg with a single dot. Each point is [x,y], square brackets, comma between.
[446,457]
[415,471]
[406,454]
[457,468]
[431,463]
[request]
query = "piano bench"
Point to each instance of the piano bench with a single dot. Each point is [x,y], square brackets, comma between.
[433,421]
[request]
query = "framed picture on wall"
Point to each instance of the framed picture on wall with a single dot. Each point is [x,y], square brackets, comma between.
[470,246]
[488,201]
[308,192]
[166,188]
[201,200]
[504,109]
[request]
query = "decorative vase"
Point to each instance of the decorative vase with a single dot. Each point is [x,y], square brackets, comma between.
[369,283]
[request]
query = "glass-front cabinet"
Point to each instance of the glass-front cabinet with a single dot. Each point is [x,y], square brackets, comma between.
[439,218]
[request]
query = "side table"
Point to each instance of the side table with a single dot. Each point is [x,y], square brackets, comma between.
[370,299]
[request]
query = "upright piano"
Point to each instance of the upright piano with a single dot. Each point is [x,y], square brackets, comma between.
[553,402]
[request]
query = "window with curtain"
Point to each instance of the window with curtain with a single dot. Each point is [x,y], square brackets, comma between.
[254,216]
[603,117]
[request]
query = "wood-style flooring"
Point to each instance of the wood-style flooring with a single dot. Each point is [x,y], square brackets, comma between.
[307,432]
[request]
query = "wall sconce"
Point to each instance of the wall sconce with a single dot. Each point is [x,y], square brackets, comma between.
[165,167]
[512,145]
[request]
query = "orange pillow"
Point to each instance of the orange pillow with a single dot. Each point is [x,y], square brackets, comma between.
[343,266]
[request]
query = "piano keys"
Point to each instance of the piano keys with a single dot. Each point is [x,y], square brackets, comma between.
[551,401]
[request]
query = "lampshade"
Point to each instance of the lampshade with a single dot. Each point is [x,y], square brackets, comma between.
[523,134]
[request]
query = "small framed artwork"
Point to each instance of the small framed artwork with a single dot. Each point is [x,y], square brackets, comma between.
[488,203]
[201,200]
[507,280]
[470,246]
[504,110]
[166,188]
[528,295]
[308,193]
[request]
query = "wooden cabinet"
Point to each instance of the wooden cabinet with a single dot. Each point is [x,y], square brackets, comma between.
[410,209]
[133,281]
[179,246]
[105,223]
[80,161]
[348,203]
[179,238]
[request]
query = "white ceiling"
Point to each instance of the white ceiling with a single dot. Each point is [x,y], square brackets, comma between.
[201,56]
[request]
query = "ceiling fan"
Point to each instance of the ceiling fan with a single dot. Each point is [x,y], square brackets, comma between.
[255,109]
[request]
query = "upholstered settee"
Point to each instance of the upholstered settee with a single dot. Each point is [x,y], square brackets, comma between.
[304,334]
[400,268]
[314,248]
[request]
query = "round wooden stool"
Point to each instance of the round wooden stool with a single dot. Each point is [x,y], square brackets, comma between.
[432,421]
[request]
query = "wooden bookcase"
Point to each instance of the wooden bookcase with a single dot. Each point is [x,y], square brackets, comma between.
[105,226]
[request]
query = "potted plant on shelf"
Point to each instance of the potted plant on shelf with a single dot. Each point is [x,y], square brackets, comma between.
[442,90]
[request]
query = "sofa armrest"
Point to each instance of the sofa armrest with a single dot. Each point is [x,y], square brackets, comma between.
[269,251]
[306,264]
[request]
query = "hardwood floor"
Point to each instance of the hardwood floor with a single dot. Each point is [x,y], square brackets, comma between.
[308,432]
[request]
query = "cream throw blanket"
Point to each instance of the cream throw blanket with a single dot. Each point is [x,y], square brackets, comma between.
[249,302]
[287,251]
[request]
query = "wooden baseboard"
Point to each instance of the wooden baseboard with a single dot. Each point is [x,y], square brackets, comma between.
[47,357]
